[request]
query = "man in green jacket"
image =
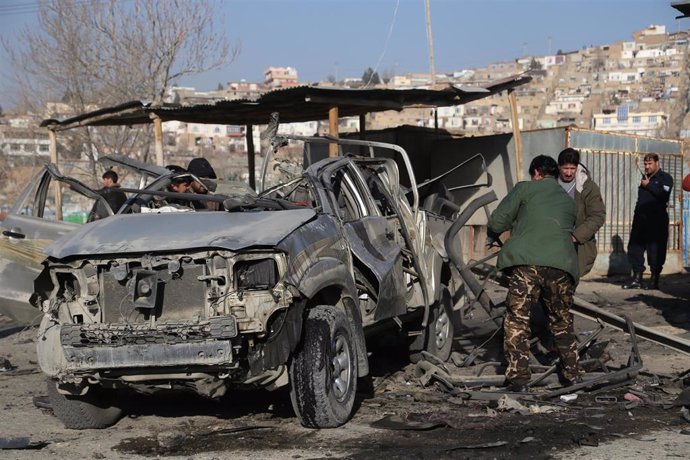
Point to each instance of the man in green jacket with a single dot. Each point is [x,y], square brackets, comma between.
[541,263]
[591,211]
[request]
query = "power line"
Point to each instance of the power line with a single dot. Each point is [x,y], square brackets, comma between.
[18,8]
[14,9]
[385,46]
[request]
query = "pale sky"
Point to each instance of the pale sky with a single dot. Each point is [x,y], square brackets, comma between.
[344,37]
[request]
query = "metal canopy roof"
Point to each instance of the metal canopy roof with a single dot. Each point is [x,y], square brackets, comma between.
[302,103]
[683,7]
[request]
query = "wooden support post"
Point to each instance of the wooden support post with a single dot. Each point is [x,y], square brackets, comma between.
[158,138]
[516,134]
[57,190]
[362,133]
[251,156]
[333,130]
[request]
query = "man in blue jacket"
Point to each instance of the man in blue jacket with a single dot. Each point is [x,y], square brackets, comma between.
[541,263]
[650,223]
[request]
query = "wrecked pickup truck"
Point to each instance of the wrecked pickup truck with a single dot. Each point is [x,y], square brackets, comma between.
[31,225]
[272,290]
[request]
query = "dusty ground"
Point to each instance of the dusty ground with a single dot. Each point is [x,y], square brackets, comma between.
[262,425]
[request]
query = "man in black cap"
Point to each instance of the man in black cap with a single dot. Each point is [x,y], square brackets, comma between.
[201,168]
[650,223]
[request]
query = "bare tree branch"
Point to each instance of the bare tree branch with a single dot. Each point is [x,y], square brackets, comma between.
[95,53]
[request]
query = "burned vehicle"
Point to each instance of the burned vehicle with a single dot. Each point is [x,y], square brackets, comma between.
[272,290]
[31,225]
[34,222]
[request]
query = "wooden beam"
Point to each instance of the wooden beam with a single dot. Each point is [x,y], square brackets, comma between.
[333,130]
[516,134]
[362,133]
[158,138]
[251,156]
[57,191]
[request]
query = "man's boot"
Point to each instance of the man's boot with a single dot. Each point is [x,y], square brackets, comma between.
[635,282]
[653,282]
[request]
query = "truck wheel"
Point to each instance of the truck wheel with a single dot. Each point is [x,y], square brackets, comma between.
[440,331]
[323,370]
[93,410]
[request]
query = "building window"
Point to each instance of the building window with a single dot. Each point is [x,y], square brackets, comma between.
[652,119]
[43,148]
[606,121]
[636,119]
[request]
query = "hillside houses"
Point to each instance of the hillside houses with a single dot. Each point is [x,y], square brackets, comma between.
[637,86]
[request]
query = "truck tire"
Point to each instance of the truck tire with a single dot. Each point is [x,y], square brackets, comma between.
[93,410]
[323,370]
[440,330]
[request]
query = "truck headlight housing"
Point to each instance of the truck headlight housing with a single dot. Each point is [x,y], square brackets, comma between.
[256,274]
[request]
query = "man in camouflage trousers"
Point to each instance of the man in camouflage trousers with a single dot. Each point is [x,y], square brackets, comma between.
[541,263]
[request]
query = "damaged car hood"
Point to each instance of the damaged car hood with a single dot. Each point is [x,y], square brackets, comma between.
[145,233]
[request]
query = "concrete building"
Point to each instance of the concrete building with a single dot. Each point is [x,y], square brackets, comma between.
[20,137]
[644,123]
[280,77]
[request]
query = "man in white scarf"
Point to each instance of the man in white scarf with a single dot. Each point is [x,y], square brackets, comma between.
[591,211]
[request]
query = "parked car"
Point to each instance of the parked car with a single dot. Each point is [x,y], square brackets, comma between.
[273,290]
[30,225]
[27,228]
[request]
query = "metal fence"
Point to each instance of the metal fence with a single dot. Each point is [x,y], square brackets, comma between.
[618,176]
[615,161]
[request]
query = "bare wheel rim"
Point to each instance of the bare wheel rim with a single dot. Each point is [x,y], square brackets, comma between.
[342,370]
[442,329]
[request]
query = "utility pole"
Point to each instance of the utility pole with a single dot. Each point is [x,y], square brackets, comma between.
[430,40]
[549,45]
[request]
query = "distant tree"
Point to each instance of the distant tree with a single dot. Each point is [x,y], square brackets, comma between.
[387,75]
[559,52]
[330,78]
[535,65]
[1,114]
[104,52]
[369,77]
[219,87]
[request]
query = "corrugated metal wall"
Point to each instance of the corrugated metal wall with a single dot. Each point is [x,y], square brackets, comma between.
[615,162]
[611,158]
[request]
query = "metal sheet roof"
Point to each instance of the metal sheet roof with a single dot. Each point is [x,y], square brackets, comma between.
[302,103]
[683,7]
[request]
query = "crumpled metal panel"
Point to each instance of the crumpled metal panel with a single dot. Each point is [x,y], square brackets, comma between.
[180,232]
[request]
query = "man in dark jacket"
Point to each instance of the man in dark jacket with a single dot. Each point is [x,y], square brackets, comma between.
[541,263]
[113,196]
[591,211]
[650,223]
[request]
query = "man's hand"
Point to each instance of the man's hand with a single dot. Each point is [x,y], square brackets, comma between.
[493,240]
[644,181]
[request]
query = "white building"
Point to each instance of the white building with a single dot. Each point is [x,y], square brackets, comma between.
[644,123]
[23,141]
